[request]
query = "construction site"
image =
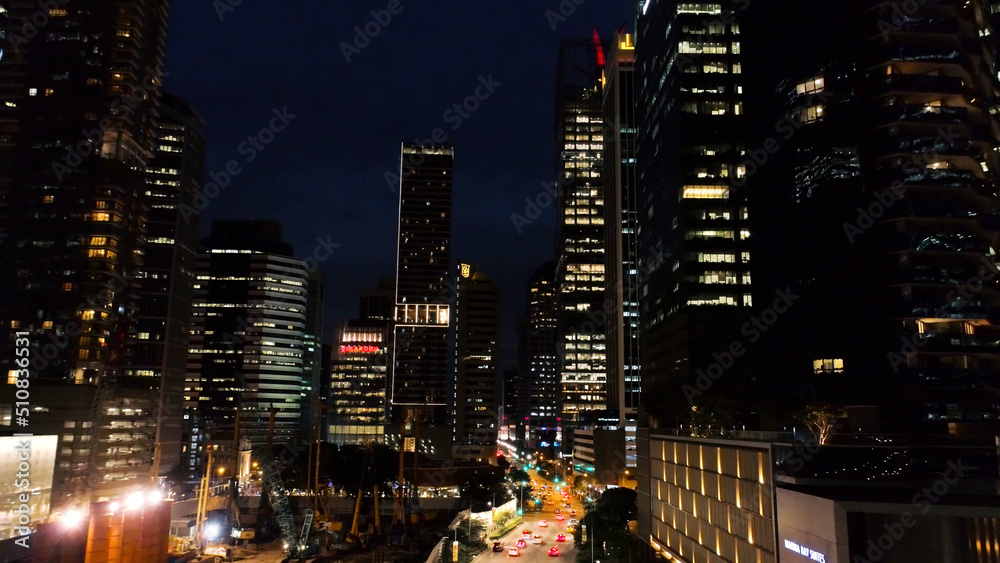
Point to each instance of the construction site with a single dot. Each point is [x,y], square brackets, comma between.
[254,515]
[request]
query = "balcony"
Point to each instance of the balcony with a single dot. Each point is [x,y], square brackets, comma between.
[923,84]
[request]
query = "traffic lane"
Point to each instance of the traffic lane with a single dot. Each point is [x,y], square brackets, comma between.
[537,553]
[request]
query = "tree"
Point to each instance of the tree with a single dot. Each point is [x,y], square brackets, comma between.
[485,488]
[821,420]
[519,476]
[607,521]
[469,545]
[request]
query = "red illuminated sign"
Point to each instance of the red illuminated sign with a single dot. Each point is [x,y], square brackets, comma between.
[359,349]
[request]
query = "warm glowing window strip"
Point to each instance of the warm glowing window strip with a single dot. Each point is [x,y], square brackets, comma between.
[706,192]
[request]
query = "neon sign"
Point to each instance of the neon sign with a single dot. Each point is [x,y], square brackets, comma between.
[359,349]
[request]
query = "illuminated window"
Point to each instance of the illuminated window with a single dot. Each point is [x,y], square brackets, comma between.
[706,192]
[835,365]
[12,377]
[811,114]
[87,315]
[48,199]
[102,253]
[811,86]
[47,324]
[100,216]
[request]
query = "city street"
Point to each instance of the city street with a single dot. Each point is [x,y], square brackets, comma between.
[539,553]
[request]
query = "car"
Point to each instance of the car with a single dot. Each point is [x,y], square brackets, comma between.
[560,517]
[573,522]
[537,540]
[543,524]
[567,505]
[561,537]
[513,552]
[521,543]
[554,552]
[571,528]
[526,533]
[497,546]
[557,510]
[572,513]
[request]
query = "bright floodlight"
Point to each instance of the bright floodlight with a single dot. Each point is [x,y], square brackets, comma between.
[154,496]
[113,507]
[134,500]
[73,518]
[212,531]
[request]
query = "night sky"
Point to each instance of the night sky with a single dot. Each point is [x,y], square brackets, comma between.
[324,175]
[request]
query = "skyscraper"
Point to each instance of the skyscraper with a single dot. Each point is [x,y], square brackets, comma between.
[580,269]
[543,409]
[477,365]
[621,222]
[420,381]
[247,339]
[690,159]
[168,274]
[77,130]
[888,182]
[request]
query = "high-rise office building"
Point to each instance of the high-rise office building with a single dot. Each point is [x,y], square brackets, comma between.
[358,405]
[872,166]
[173,178]
[477,335]
[690,160]
[77,130]
[898,121]
[580,269]
[420,386]
[247,337]
[622,227]
[543,408]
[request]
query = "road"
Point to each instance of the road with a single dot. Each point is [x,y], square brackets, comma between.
[533,553]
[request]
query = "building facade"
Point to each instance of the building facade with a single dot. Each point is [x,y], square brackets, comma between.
[544,390]
[420,382]
[580,267]
[621,223]
[247,338]
[691,165]
[77,132]
[477,366]
[166,281]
